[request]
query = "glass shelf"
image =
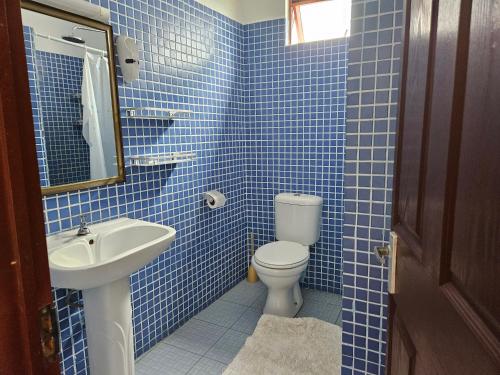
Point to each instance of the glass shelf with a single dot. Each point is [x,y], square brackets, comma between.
[153,113]
[161,159]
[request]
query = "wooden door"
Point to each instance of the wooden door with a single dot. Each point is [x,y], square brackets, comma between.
[24,272]
[445,314]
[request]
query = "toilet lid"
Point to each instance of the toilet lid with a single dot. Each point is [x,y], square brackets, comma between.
[281,254]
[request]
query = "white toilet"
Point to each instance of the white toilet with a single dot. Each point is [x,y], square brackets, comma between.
[280,264]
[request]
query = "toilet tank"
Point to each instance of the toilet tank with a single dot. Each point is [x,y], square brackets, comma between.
[298,217]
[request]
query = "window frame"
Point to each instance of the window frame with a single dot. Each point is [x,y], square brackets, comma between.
[292,12]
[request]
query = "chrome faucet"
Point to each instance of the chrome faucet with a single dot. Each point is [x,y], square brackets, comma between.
[84,229]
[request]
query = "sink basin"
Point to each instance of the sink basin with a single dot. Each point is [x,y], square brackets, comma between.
[100,264]
[111,251]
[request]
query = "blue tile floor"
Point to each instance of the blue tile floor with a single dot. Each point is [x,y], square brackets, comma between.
[208,342]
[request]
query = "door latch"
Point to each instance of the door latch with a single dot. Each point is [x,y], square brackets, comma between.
[388,253]
[49,333]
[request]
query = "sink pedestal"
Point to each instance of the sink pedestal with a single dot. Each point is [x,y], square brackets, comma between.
[108,321]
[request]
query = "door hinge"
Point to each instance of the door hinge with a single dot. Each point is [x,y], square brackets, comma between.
[49,333]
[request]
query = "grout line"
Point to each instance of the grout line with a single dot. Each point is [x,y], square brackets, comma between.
[183,349]
[215,343]
[248,308]
[194,364]
[229,329]
[215,360]
[204,321]
[203,357]
[236,303]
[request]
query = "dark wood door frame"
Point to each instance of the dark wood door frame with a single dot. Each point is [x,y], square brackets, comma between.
[24,272]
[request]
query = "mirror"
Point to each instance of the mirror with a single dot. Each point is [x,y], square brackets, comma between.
[74,99]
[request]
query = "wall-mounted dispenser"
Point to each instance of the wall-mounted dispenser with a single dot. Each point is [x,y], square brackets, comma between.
[128,57]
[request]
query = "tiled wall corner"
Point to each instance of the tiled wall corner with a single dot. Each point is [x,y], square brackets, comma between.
[295,124]
[372,94]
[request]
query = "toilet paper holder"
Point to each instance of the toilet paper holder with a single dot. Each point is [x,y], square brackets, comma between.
[209,198]
[214,199]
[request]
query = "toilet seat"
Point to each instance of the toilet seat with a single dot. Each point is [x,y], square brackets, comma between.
[282,255]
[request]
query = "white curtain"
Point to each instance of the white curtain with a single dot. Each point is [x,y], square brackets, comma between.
[98,127]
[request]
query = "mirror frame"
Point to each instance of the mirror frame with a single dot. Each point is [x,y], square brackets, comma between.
[58,13]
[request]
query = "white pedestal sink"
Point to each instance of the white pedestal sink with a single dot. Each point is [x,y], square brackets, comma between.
[100,264]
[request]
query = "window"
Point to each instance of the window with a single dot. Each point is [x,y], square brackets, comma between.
[310,20]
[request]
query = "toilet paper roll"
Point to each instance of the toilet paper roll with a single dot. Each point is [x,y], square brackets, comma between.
[214,199]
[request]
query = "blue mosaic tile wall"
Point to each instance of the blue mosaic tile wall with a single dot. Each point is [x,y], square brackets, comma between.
[295,124]
[191,58]
[59,81]
[41,150]
[266,118]
[372,94]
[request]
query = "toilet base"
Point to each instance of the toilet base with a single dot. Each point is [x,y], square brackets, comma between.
[284,297]
[284,301]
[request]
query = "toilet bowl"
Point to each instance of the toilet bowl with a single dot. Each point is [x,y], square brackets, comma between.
[280,264]
[281,275]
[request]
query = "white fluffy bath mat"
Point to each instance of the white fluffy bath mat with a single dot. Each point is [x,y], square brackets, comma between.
[288,346]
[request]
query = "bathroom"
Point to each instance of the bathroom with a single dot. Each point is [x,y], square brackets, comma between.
[258,138]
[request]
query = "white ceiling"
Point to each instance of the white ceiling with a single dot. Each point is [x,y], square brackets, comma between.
[57,28]
[248,11]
